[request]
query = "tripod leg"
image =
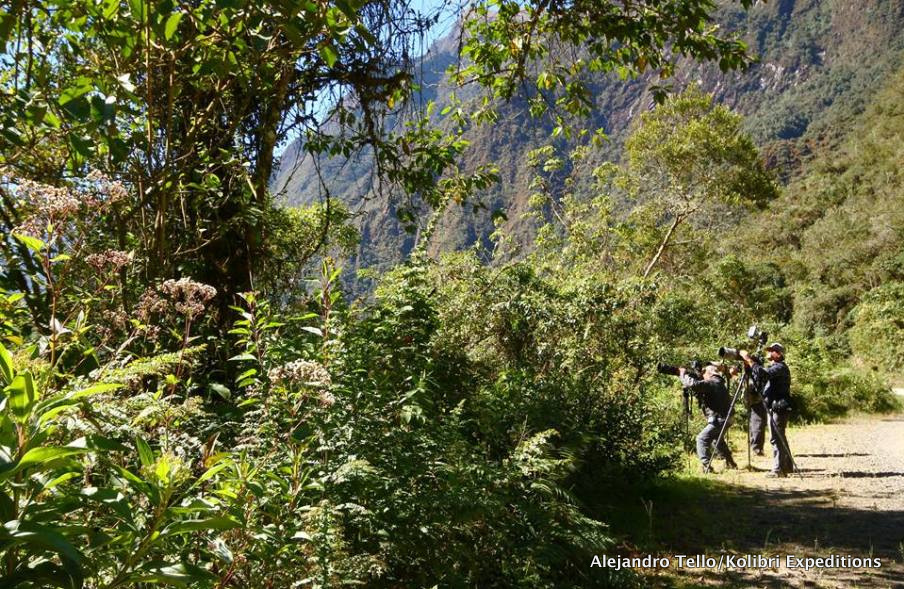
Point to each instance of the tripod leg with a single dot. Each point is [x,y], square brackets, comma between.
[749,410]
[748,440]
[687,434]
[784,443]
[712,453]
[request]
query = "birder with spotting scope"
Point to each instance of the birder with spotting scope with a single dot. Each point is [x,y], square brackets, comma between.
[712,394]
[775,383]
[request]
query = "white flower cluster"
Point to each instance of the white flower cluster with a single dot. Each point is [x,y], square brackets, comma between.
[112,259]
[46,206]
[303,372]
[189,297]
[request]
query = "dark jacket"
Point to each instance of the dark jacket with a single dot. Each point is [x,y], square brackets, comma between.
[774,381]
[712,394]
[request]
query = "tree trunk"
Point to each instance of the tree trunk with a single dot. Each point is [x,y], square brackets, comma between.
[662,246]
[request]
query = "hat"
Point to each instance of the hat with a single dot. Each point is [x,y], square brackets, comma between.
[777,347]
[713,367]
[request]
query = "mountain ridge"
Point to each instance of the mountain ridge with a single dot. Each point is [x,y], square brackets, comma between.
[801,98]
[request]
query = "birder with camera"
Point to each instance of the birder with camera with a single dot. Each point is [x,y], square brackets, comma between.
[774,382]
[712,394]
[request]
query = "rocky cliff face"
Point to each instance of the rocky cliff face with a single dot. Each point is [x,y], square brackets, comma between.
[820,62]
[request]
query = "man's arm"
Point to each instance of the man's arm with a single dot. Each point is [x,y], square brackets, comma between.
[748,359]
[759,375]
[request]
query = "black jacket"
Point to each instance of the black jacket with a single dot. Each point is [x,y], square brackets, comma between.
[774,381]
[712,394]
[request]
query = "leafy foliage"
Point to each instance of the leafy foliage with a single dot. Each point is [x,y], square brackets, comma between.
[163,423]
[688,158]
[876,333]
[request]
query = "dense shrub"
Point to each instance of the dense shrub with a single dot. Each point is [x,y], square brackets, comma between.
[824,383]
[574,354]
[877,333]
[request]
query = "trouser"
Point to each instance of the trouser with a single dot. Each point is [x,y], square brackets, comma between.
[781,454]
[758,419]
[707,437]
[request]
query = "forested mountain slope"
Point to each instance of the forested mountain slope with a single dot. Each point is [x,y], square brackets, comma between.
[838,232]
[820,63]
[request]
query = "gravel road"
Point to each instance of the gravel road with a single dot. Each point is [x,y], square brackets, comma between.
[848,499]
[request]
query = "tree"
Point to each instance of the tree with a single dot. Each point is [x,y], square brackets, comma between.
[187,103]
[687,158]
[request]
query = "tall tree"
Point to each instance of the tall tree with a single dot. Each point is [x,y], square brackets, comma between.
[688,158]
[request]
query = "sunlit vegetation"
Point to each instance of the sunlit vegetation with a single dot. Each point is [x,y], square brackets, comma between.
[189,397]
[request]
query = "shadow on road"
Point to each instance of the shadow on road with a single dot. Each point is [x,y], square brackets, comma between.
[691,516]
[839,455]
[870,475]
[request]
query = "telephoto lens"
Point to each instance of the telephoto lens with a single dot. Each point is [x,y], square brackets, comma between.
[667,369]
[729,353]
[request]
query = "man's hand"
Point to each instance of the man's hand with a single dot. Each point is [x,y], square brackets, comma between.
[747,359]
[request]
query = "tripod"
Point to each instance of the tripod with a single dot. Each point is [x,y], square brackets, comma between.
[742,386]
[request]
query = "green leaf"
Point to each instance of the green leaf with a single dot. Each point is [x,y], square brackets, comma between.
[172,24]
[82,86]
[47,454]
[32,243]
[133,479]
[180,575]
[145,454]
[39,536]
[7,22]
[97,443]
[21,395]
[213,470]
[139,9]
[6,366]
[196,525]
[60,480]
[47,574]
[111,8]
[93,390]
[329,55]
[247,374]
[221,390]
[38,459]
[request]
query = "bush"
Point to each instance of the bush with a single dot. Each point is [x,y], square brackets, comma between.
[431,492]
[824,384]
[877,334]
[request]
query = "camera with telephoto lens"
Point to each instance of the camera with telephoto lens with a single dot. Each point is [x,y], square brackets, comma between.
[753,334]
[694,369]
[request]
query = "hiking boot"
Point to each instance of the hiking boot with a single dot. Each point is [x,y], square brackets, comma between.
[759,452]
[776,475]
[730,464]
